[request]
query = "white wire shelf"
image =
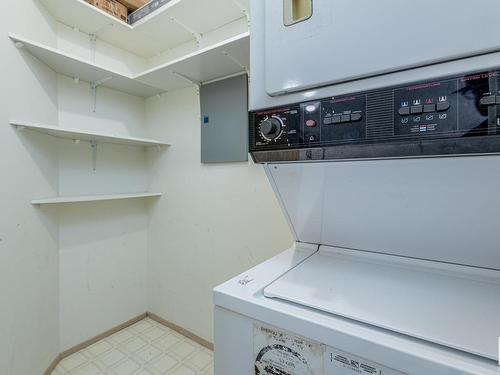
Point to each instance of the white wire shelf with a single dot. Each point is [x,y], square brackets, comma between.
[83,135]
[176,22]
[227,58]
[93,198]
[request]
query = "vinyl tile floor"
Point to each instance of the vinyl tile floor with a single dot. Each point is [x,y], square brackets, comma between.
[144,348]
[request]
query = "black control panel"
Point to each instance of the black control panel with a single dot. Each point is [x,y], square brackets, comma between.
[452,116]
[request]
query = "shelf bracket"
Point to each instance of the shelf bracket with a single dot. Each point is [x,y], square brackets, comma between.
[236,61]
[93,144]
[195,34]
[93,40]
[93,88]
[243,10]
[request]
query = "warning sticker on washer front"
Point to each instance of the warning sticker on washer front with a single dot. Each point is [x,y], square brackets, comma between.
[341,363]
[282,353]
[354,364]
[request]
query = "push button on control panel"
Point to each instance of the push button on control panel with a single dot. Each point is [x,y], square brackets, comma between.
[489,100]
[416,109]
[356,117]
[346,118]
[311,138]
[338,119]
[310,123]
[429,108]
[442,106]
[404,111]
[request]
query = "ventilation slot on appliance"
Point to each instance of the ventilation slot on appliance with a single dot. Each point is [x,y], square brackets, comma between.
[380,115]
[295,11]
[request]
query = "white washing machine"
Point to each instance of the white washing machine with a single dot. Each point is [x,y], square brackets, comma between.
[344,308]
[384,154]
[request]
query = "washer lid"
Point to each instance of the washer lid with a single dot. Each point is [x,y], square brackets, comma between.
[442,209]
[455,306]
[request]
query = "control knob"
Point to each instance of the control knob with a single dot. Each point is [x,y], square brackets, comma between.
[271,128]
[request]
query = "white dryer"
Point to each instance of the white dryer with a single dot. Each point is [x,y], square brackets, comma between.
[387,172]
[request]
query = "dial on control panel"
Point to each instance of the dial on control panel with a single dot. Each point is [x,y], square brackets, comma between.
[271,127]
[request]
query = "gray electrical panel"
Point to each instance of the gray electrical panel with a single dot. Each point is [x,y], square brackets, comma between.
[224,120]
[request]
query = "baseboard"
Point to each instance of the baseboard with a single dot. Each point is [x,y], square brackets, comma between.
[182,331]
[53,365]
[119,327]
[101,336]
[91,341]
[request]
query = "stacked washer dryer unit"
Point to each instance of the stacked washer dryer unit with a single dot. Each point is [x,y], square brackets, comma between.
[378,125]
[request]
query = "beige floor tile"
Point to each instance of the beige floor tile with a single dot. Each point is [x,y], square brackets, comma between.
[134,344]
[120,337]
[87,369]
[112,357]
[208,371]
[184,370]
[145,372]
[99,348]
[149,353]
[146,348]
[126,367]
[141,326]
[169,340]
[183,349]
[164,363]
[200,359]
[73,361]
[153,333]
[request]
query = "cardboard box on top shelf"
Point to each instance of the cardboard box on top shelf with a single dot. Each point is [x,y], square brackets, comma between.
[133,5]
[112,7]
[149,8]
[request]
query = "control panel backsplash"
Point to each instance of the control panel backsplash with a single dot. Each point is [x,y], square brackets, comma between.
[455,115]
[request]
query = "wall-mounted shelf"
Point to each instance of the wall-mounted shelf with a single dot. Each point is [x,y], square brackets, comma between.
[229,57]
[223,59]
[175,23]
[72,66]
[83,135]
[93,198]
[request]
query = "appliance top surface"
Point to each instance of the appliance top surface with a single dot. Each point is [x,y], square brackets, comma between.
[453,306]
[441,209]
[244,295]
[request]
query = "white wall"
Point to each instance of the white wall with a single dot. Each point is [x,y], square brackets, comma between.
[71,272]
[28,168]
[79,44]
[102,267]
[209,38]
[213,222]
[102,245]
